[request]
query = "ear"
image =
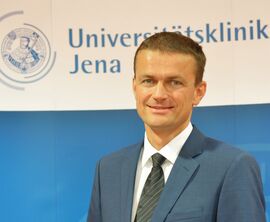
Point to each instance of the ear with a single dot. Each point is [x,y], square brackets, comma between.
[199,93]
[134,86]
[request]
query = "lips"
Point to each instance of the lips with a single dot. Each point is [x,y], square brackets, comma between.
[160,107]
[157,109]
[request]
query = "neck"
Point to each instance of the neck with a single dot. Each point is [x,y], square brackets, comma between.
[160,137]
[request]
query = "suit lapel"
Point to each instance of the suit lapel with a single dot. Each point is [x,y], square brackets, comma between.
[128,175]
[182,171]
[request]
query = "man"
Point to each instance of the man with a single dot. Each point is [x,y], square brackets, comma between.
[192,178]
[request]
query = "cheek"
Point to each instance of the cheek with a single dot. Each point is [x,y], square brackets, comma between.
[142,96]
[184,99]
[140,100]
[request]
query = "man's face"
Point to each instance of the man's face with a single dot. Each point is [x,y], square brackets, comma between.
[24,42]
[165,90]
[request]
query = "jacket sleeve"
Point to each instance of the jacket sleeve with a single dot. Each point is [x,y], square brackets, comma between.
[94,214]
[241,197]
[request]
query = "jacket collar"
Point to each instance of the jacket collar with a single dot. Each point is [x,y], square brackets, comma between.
[182,171]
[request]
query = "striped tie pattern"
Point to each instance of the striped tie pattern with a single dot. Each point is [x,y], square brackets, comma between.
[151,191]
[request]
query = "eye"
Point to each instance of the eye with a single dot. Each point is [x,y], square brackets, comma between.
[147,82]
[175,82]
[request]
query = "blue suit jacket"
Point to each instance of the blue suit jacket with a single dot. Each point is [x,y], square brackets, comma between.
[210,181]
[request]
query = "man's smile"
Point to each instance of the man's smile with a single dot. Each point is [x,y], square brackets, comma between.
[158,109]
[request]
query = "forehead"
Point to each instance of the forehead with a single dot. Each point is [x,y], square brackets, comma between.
[154,62]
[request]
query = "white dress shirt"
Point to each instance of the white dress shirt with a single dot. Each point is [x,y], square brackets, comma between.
[144,166]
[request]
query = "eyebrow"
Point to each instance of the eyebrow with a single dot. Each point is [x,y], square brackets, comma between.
[169,77]
[175,77]
[147,76]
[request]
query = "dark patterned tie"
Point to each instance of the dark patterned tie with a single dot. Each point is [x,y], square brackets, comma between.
[151,191]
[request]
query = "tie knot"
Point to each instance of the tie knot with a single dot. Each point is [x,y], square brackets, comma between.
[158,160]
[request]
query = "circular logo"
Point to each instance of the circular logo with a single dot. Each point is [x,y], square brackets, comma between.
[24,51]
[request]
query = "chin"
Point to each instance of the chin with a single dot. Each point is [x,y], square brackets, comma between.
[158,125]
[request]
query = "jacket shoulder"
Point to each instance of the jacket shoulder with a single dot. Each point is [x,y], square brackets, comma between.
[122,154]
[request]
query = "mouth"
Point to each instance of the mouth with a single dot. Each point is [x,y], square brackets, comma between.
[160,109]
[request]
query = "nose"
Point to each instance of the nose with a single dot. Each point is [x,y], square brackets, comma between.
[160,92]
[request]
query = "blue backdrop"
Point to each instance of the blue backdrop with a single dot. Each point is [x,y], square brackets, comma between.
[47,159]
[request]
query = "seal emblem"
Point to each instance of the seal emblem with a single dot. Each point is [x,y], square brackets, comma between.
[26,55]
[23,50]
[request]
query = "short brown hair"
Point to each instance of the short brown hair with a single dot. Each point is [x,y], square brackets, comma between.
[175,42]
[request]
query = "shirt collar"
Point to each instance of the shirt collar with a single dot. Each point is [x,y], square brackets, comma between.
[170,151]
